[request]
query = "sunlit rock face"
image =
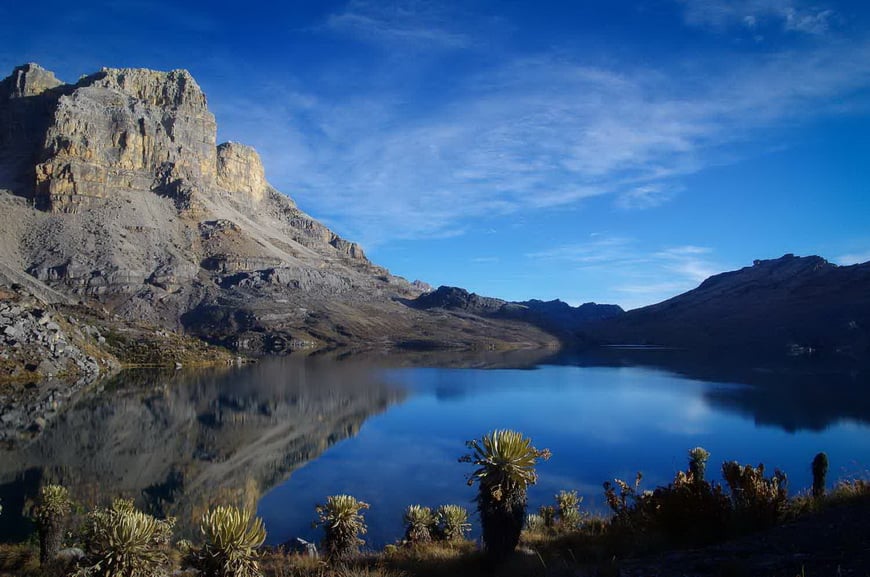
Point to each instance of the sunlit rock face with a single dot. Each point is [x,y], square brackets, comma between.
[114,192]
[127,128]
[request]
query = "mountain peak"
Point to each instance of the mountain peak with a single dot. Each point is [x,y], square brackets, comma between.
[26,80]
[114,192]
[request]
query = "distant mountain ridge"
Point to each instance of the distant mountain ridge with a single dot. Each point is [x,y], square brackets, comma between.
[790,305]
[556,317]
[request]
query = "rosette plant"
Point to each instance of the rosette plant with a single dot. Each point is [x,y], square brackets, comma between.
[505,463]
[232,537]
[343,523]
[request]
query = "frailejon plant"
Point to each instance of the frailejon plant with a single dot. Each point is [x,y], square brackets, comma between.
[232,537]
[122,541]
[758,501]
[535,523]
[343,523]
[568,510]
[820,472]
[506,468]
[50,514]
[452,522]
[548,516]
[698,463]
[419,524]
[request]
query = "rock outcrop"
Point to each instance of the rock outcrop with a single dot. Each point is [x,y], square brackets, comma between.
[114,192]
[40,344]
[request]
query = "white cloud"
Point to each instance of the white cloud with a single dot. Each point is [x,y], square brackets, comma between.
[600,248]
[640,275]
[790,15]
[533,133]
[853,258]
[404,21]
[642,197]
[688,262]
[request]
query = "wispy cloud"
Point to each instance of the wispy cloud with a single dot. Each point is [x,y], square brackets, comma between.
[790,15]
[642,197]
[534,133]
[688,262]
[853,258]
[598,249]
[414,22]
[640,275]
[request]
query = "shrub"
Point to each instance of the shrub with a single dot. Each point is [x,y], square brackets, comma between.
[452,522]
[820,471]
[121,541]
[419,524]
[758,501]
[568,510]
[506,468]
[50,514]
[687,511]
[847,489]
[343,523]
[626,504]
[548,516]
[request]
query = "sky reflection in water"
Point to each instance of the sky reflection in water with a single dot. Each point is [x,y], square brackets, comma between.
[599,422]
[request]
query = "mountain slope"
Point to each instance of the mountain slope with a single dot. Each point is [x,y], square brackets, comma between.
[114,192]
[790,305]
[556,317]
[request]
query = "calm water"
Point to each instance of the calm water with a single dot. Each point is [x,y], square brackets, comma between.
[284,434]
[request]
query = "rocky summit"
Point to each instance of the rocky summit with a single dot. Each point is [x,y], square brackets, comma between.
[116,197]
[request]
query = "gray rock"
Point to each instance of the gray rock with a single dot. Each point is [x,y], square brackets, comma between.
[134,208]
[70,555]
[302,547]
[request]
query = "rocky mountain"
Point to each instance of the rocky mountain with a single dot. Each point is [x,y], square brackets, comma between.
[115,194]
[800,306]
[556,317]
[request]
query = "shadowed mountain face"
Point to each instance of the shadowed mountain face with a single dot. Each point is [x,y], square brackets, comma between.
[555,317]
[179,443]
[786,306]
[114,192]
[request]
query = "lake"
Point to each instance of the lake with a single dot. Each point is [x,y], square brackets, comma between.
[285,433]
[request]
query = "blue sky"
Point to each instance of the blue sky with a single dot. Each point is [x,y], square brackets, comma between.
[611,151]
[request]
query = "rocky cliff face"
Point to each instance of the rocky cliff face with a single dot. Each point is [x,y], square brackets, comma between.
[114,192]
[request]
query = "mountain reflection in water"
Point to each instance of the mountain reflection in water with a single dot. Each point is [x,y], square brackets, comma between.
[181,441]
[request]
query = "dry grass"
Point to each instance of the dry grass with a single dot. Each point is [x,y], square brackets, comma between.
[19,560]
